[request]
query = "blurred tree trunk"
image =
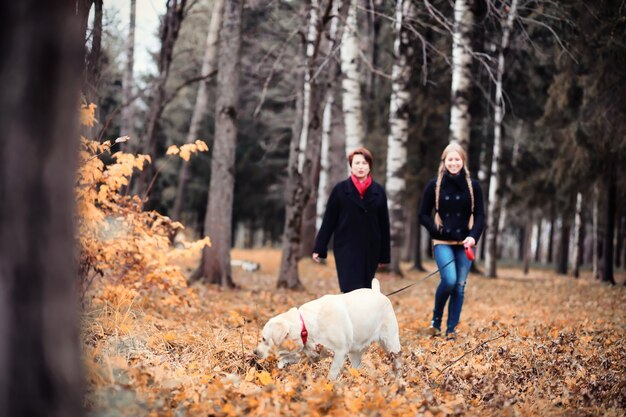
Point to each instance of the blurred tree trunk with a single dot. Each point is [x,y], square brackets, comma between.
[563,255]
[408,248]
[126,123]
[82,9]
[578,226]
[41,60]
[92,69]
[619,242]
[352,103]
[538,240]
[202,99]
[218,221]
[550,257]
[301,162]
[595,238]
[528,255]
[607,260]
[460,117]
[417,261]
[494,185]
[398,132]
[170,28]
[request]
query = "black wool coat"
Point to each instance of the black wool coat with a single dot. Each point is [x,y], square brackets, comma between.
[455,208]
[361,233]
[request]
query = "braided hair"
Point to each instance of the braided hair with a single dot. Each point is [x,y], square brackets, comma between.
[453,147]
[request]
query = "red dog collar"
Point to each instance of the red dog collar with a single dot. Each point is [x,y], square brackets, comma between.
[303,334]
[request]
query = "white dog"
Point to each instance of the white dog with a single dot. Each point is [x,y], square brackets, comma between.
[343,323]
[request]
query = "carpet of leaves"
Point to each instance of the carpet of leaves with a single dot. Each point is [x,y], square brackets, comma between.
[540,344]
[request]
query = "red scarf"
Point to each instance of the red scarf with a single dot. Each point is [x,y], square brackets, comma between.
[361,186]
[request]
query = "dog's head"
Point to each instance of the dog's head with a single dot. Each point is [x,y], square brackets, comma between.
[274,333]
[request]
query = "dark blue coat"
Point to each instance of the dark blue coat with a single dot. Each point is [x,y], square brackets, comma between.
[361,229]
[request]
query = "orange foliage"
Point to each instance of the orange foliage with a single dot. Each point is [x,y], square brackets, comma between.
[529,345]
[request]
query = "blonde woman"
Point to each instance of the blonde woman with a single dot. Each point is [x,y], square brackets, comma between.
[456,226]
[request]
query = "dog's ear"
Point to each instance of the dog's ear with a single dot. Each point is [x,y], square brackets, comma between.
[280,329]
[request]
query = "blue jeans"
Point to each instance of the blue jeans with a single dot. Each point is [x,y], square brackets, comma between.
[452,285]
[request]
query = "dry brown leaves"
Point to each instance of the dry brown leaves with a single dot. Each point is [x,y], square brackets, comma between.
[536,345]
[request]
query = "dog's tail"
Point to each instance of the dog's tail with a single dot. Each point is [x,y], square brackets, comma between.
[376,285]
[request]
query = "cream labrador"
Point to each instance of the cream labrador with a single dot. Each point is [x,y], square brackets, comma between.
[345,324]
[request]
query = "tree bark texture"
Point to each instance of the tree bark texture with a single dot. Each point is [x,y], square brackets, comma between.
[217,225]
[41,59]
[495,180]
[301,182]
[323,187]
[209,62]
[352,102]
[399,131]
[460,117]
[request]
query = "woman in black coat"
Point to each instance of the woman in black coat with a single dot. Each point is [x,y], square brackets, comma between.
[357,214]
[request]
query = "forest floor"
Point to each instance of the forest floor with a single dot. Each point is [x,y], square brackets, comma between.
[539,344]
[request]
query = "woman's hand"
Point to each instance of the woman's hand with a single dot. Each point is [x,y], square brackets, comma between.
[316,257]
[469,242]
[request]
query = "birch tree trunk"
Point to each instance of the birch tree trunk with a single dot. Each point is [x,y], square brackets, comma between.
[460,117]
[538,241]
[306,102]
[309,218]
[92,69]
[550,255]
[494,185]
[327,123]
[202,99]
[41,60]
[170,28]
[578,225]
[301,181]
[126,124]
[352,103]
[398,135]
[217,225]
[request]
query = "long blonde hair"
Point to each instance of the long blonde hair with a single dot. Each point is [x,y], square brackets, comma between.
[453,147]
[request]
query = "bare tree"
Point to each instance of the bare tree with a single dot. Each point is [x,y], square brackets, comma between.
[170,28]
[215,264]
[40,72]
[301,183]
[399,130]
[494,182]
[202,98]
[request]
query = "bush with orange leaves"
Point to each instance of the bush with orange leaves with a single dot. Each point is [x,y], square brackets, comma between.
[118,240]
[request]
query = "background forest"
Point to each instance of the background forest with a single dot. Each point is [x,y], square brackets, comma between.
[158,206]
[538,84]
